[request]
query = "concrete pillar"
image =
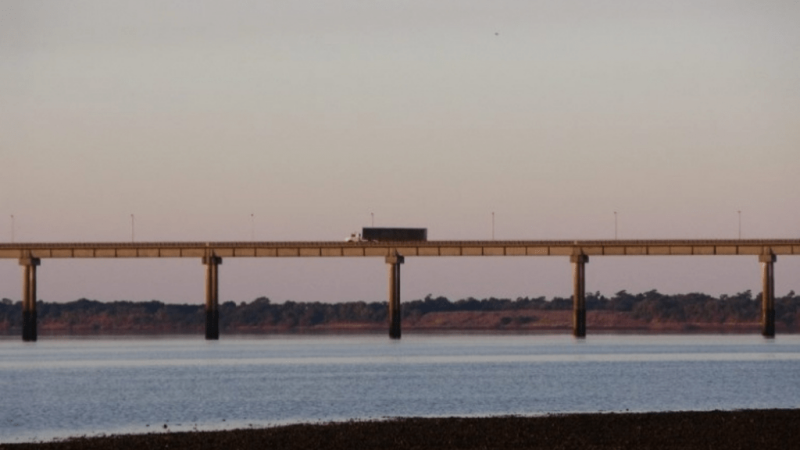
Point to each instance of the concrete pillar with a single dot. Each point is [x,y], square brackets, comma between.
[394,262]
[29,316]
[579,295]
[212,264]
[767,295]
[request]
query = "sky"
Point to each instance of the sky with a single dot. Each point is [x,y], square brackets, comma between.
[303,120]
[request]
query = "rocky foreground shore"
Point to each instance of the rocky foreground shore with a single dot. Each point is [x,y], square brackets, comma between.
[751,429]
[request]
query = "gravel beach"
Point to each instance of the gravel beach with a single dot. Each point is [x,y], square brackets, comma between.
[748,429]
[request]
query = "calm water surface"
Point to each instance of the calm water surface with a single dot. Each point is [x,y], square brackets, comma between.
[75,386]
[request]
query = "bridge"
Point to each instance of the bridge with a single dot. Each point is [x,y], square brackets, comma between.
[211,254]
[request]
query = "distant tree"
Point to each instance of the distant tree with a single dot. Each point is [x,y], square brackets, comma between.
[650,306]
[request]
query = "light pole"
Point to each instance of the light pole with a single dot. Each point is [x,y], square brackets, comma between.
[615,225]
[740,224]
[252,227]
[372,217]
[492,225]
[12,228]
[132,229]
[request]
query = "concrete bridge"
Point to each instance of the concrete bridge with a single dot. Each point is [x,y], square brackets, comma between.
[211,254]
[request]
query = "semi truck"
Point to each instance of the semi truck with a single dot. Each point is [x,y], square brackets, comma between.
[373,234]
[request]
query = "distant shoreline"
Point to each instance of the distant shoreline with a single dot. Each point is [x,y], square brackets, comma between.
[678,329]
[688,331]
[746,429]
[648,312]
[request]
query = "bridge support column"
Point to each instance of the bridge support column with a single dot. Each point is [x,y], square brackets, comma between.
[29,316]
[394,262]
[212,264]
[767,295]
[579,295]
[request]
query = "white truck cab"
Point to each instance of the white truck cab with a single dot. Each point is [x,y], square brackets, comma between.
[354,237]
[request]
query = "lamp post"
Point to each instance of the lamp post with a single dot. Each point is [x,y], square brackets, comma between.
[132,228]
[252,227]
[12,228]
[740,224]
[492,225]
[372,218]
[615,225]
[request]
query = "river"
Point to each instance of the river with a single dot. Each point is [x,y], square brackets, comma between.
[71,386]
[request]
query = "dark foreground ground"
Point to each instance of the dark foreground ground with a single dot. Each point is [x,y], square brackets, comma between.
[753,429]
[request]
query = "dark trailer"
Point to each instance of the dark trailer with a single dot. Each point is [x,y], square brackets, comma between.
[394,234]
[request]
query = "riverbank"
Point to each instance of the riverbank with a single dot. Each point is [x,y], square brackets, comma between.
[523,321]
[649,312]
[762,429]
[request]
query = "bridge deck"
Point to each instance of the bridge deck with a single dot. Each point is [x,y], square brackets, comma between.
[416,248]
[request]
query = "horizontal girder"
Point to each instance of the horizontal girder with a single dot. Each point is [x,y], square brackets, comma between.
[415,248]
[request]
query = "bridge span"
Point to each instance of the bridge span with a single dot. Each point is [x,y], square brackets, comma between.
[211,254]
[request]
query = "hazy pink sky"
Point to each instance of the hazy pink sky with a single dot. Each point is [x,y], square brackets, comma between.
[311,115]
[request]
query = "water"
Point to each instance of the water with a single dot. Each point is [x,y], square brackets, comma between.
[87,386]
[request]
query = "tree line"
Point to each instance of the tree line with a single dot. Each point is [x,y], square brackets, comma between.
[650,306]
